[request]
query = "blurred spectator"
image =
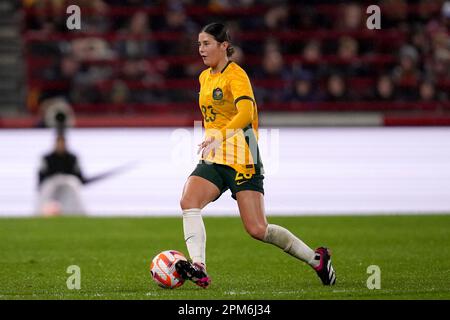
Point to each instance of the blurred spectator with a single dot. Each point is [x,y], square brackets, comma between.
[348,48]
[137,43]
[48,17]
[440,44]
[83,84]
[91,48]
[352,17]
[442,22]
[136,74]
[395,14]
[176,18]
[311,52]
[134,70]
[83,87]
[273,70]
[42,23]
[64,72]
[304,18]
[445,15]
[277,18]
[311,56]
[406,75]
[427,91]
[440,68]
[66,69]
[336,90]
[304,89]
[384,90]
[348,54]
[419,40]
[97,21]
[60,182]
[176,21]
[119,94]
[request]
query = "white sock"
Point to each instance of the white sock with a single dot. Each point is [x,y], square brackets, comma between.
[285,240]
[194,234]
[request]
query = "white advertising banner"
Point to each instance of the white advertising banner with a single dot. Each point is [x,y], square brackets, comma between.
[308,170]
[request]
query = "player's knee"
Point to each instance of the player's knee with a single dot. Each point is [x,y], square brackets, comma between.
[257,231]
[187,202]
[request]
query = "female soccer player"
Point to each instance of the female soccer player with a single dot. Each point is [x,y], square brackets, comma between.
[230,160]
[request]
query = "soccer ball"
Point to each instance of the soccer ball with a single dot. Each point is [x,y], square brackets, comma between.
[163,270]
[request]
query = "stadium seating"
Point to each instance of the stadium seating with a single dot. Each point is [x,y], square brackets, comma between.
[140,57]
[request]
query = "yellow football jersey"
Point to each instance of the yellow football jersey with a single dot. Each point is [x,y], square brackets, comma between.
[218,96]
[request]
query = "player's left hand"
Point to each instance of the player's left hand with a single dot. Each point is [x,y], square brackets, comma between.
[210,144]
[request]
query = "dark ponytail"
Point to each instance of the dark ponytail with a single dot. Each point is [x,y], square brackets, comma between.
[220,33]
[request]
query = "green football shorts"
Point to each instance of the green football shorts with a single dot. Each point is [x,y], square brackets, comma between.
[225,177]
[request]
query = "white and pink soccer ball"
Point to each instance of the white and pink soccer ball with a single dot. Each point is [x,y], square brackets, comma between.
[163,269]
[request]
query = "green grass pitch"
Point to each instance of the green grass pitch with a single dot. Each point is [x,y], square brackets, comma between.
[413,253]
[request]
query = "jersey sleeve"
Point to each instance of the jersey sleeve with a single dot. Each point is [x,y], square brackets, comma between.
[240,87]
[240,120]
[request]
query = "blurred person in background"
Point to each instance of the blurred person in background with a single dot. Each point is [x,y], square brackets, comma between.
[384,89]
[97,21]
[274,71]
[137,43]
[419,39]
[60,182]
[427,91]
[439,67]
[64,71]
[442,22]
[407,75]
[306,17]
[91,48]
[87,51]
[336,89]
[348,50]
[42,23]
[177,21]
[118,94]
[140,72]
[438,63]
[394,14]
[351,17]
[60,176]
[49,15]
[304,89]
[311,58]
[277,18]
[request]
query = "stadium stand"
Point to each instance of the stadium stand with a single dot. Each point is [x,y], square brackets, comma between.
[134,62]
